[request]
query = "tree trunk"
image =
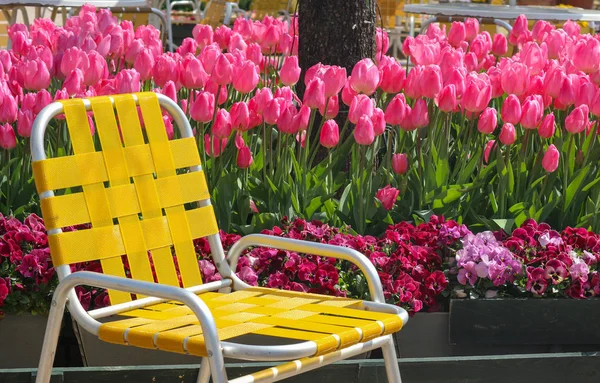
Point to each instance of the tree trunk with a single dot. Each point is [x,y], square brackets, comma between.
[335,32]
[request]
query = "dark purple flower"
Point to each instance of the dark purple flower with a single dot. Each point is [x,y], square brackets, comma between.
[29,266]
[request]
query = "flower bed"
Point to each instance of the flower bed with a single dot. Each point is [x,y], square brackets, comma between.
[409,260]
[490,140]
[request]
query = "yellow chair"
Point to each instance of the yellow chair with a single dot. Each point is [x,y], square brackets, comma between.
[262,8]
[219,12]
[146,197]
[3,31]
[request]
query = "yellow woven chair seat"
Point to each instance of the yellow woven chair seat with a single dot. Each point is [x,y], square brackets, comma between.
[332,323]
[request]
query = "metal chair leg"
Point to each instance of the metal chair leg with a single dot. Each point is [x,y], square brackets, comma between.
[391,362]
[204,374]
[57,310]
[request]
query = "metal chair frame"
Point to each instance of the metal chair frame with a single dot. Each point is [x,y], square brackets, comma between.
[212,365]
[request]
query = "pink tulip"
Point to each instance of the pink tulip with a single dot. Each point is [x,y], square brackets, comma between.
[127,81]
[400,163]
[382,42]
[237,43]
[568,90]
[456,77]
[595,105]
[188,46]
[244,158]
[472,28]
[74,58]
[511,110]
[396,110]
[8,139]
[578,120]
[240,116]
[457,33]
[74,82]
[555,41]
[348,93]
[546,129]
[481,45]
[392,77]
[202,108]
[8,109]
[334,79]
[387,196]
[446,100]
[254,118]
[365,77]
[203,34]
[245,77]
[553,80]
[165,69]
[478,93]
[290,71]
[314,95]
[287,122]
[193,75]
[540,30]
[222,35]
[378,119]
[169,90]
[222,71]
[551,158]
[209,56]
[471,62]
[520,30]
[97,70]
[532,112]
[33,75]
[363,132]
[144,64]
[333,108]
[222,127]
[254,53]
[262,98]
[587,92]
[286,93]
[534,56]
[515,78]
[213,146]
[488,150]
[488,120]
[166,120]
[499,45]
[419,114]
[24,122]
[361,105]
[586,55]
[423,51]
[494,75]
[330,134]
[432,81]
[508,135]
[413,84]
[43,98]
[271,37]
[572,28]
[273,110]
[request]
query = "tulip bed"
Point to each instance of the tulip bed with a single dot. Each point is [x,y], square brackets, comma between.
[493,141]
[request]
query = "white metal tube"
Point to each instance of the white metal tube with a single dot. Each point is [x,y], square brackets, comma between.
[269,353]
[139,303]
[309,364]
[202,312]
[321,249]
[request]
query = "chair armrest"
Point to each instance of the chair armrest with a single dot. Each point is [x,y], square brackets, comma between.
[339,252]
[191,300]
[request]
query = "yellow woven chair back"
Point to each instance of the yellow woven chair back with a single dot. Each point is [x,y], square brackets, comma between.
[390,10]
[136,189]
[214,13]
[3,31]
[137,19]
[262,8]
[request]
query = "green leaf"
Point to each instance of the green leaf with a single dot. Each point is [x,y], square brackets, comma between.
[574,187]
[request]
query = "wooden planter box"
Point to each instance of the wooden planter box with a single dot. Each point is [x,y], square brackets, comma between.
[536,322]
[21,338]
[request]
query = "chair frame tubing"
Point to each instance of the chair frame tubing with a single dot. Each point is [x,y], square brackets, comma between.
[212,365]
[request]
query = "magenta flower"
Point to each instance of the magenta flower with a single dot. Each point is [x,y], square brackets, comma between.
[536,282]
[468,273]
[29,266]
[556,271]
